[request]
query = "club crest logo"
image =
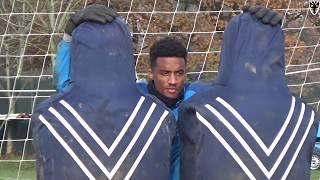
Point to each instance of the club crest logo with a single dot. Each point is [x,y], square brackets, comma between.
[314,6]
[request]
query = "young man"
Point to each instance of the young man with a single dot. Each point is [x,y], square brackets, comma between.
[168,59]
[167,74]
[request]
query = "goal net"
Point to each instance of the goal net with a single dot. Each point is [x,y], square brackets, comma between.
[30,31]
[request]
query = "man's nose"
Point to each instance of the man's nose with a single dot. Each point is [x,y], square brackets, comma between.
[172,79]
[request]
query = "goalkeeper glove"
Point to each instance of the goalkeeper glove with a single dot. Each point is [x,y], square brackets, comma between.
[265,15]
[95,12]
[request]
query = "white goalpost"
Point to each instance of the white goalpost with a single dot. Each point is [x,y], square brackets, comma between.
[30,31]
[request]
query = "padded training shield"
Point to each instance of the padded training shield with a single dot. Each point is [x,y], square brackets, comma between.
[248,126]
[102,127]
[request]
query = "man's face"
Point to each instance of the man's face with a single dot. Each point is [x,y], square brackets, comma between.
[169,75]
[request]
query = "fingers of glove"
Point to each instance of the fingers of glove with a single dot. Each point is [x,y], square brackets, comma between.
[69,27]
[94,15]
[272,18]
[245,8]
[276,19]
[254,9]
[109,18]
[111,12]
[97,13]
[269,15]
[261,13]
[101,10]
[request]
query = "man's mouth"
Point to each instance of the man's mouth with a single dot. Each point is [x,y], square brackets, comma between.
[172,90]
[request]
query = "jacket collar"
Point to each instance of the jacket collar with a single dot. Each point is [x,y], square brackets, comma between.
[169,102]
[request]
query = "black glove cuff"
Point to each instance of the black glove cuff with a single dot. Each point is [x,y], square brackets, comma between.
[69,27]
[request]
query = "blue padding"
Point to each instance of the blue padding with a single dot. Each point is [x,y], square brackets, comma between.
[248,126]
[103,127]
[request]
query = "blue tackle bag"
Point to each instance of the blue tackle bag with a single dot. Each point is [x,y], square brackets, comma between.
[103,127]
[248,125]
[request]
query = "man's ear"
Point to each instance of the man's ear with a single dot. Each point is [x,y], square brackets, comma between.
[150,74]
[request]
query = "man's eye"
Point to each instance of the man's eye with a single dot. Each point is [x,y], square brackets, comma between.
[180,73]
[165,73]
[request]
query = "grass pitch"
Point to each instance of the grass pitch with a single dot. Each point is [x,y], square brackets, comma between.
[10,171]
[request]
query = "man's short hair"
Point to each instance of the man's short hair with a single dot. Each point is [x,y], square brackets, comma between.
[167,47]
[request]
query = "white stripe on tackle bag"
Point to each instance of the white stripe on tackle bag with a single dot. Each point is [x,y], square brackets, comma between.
[266,150]
[226,146]
[236,134]
[286,173]
[267,173]
[115,143]
[84,145]
[67,148]
[90,152]
[146,146]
